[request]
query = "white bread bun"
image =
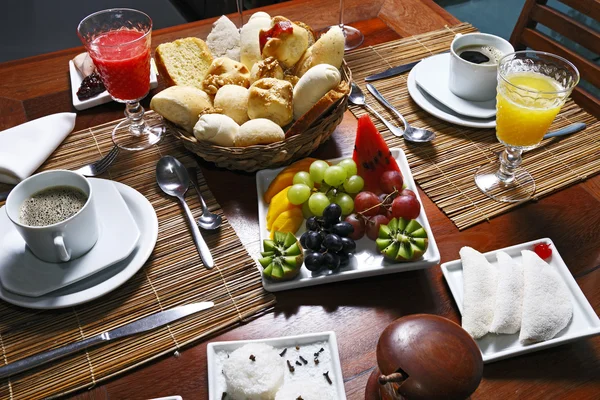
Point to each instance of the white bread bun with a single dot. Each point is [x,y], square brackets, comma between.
[267,68]
[313,85]
[225,71]
[224,39]
[272,99]
[259,131]
[181,105]
[216,128]
[286,47]
[249,44]
[233,100]
[329,49]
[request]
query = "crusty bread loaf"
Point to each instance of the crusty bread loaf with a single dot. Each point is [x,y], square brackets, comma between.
[272,99]
[267,68]
[322,107]
[233,101]
[329,49]
[183,62]
[313,85]
[216,128]
[224,39]
[312,36]
[259,131]
[287,48]
[249,44]
[225,71]
[181,105]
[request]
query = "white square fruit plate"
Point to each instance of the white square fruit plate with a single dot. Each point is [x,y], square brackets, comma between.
[307,345]
[494,347]
[366,261]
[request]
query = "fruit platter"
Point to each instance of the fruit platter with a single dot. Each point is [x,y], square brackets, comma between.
[362,229]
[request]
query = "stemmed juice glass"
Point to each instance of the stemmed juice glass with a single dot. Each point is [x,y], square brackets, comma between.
[532,88]
[118,40]
[353,37]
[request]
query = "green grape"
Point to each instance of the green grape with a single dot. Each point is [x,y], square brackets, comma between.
[303,177]
[354,184]
[335,175]
[317,170]
[298,193]
[306,213]
[317,203]
[349,166]
[345,201]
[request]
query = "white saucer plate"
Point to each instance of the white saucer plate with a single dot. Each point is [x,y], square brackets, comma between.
[437,109]
[109,278]
[433,76]
[494,347]
[23,273]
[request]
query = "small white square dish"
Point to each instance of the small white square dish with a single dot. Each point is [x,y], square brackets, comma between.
[169,398]
[290,348]
[366,261]
[494,347]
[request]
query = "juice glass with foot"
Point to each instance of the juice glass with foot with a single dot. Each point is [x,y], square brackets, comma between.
[532,87]
[118,41]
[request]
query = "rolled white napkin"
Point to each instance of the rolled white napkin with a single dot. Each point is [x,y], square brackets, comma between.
[509,296]
[479,292]
[547,306]
[25,147]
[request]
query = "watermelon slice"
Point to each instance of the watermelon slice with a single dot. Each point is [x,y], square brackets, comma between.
[371,154]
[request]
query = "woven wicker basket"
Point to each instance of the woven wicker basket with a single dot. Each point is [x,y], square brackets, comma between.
[253,158]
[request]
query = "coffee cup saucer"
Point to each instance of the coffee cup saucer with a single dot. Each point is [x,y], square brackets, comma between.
[433,76]
[24,274]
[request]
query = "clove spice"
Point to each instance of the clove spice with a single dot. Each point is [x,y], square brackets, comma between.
[283,352]
[326,375]
[290,366]
[303,360]
[298,363]
[252,357]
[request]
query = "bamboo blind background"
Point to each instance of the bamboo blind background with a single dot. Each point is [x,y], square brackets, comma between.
[174,275]
[445,169]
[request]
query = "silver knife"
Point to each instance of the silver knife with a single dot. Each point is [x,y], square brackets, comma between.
[145,324]
[394,71]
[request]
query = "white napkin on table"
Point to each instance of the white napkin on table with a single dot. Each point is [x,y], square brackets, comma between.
[25,147]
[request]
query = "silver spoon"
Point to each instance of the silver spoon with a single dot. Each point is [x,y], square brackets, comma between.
[174,180]
[357,97]
[410,133]
[208,220]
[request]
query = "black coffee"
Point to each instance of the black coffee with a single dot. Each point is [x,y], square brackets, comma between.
[480,54]
[51,205]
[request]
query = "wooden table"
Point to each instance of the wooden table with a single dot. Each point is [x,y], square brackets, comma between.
[357,310]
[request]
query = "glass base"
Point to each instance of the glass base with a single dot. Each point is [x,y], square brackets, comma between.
[520,189]
[354,37]
[152,133]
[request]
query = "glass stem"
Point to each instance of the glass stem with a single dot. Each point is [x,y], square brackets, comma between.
[135,114]
[342,14]
[510,160]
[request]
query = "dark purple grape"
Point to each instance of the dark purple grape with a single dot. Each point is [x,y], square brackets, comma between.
[331,261]
[344,258]
[348,245]
[314,240]
[342,229]
[332,214]
[333,242]
[313,261]
[303,239]
[312,224]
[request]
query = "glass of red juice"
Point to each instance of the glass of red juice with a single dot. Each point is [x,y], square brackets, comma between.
[118,40]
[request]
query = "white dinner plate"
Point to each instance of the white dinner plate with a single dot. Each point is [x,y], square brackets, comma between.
[437,109]
[494,347]
[329,361]
[366,261]
[433,76]
[110,278]
[23,273]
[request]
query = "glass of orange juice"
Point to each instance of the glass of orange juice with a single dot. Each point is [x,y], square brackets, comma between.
[532,87]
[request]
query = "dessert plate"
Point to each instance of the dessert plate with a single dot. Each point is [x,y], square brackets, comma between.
[437,109]
[433,75]
[366,261]
[109,278]
[308,345]
[103,97]
[494,347]
[23,273]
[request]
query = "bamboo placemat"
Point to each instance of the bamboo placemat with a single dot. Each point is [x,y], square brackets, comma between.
[174,275]
[445,168]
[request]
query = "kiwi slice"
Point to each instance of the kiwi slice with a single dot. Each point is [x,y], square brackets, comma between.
[282,258]
[402,240]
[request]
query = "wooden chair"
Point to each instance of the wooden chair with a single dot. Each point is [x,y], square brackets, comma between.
[538,12]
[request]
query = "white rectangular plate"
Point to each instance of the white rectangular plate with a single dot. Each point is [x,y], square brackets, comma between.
[216,379]
[103,97]
[494,347]
[366,262]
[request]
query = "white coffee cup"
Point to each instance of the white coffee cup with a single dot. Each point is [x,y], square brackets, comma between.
[475,82]
[64,240]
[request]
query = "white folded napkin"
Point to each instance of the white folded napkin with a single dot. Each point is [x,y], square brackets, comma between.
[509,296]
[547,306]
[25,147]
[479,292]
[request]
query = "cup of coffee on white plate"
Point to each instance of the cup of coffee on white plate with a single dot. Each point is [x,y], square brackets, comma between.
[54,213]
[474,59]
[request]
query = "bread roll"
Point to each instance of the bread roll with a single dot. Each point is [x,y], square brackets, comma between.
[225,71]
[233,100]
[272,99]
[313,85]
[181,105]
[249,45]
[216,128]
[267,68]
[259,131]
[329,49]
[224,39]
[287,47]
[183,62]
